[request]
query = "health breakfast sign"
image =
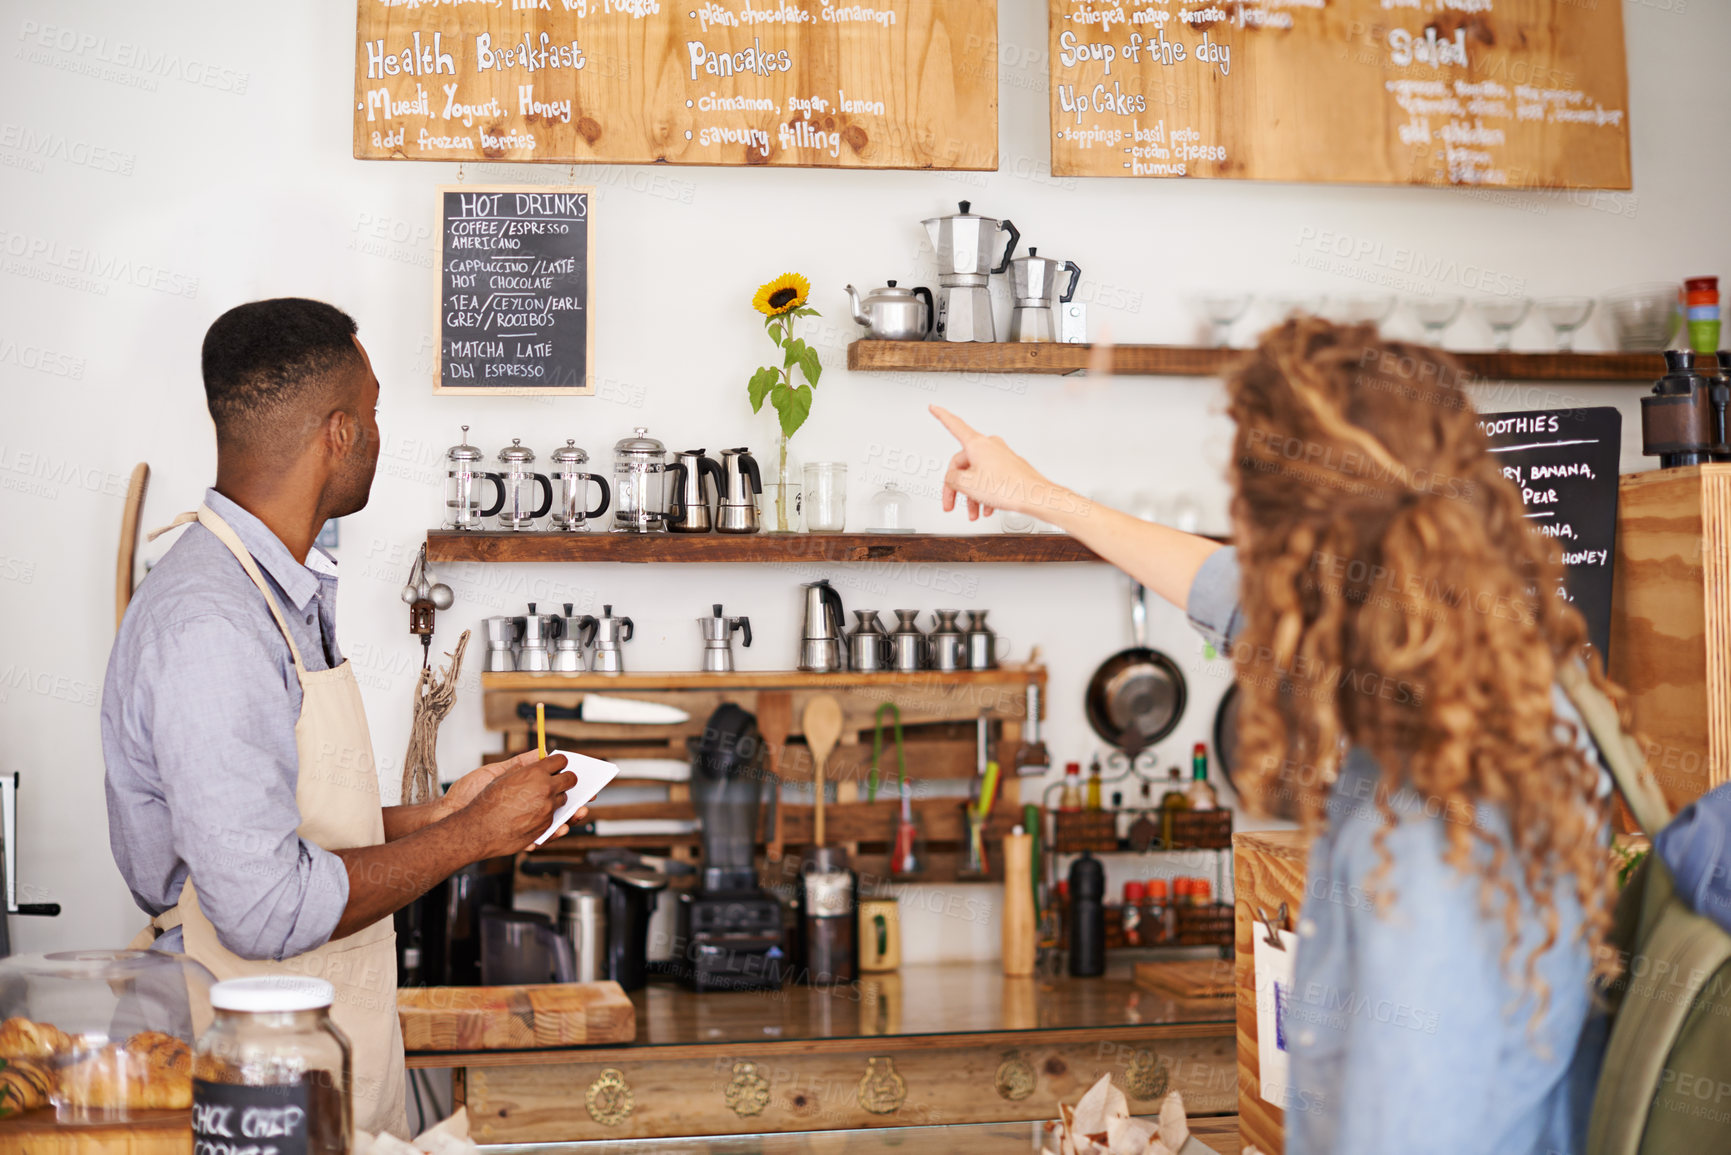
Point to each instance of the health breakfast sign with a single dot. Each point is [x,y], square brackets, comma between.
[515,291]
[811,83]
[1518,93]
[1565,463]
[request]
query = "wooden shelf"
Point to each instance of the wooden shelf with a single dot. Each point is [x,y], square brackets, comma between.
[601,546]
[1189,361]
[1018,675]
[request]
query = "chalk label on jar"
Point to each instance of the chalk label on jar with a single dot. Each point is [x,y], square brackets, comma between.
[235,1120]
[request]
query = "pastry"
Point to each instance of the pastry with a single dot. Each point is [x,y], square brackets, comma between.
[116,1077]
[161,1052]
[22,1038]
[24,1086]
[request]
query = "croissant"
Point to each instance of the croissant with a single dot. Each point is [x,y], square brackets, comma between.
[23,1039]
[117,1076]
[24,1086]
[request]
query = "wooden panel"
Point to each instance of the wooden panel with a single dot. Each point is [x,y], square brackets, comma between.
[821,1092]
[817,548]
[1209,978]
[629,81]
[1188,361]
[161,1133]
[1532,94]
[514,1018]
[1268,869]
[1671,623]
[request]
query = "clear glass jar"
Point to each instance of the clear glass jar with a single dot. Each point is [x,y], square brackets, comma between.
[272,1066]
[892,512]
[825,497]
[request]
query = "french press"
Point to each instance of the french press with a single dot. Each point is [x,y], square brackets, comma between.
[518,480]
[639,478]
[463,479]
[570,489]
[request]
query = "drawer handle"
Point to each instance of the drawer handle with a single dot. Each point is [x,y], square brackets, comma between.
[748,1093]
[609,1098]
[1015,1078]
[882,1090]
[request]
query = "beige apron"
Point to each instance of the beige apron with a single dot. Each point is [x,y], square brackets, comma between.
[338,797]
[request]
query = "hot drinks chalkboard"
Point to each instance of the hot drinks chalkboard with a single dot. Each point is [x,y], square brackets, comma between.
[1565,463]
[515,290]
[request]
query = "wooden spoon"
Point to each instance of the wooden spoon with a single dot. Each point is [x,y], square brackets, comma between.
[822,725]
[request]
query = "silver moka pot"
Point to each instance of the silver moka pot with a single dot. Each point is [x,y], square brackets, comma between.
[688,504]
[741,485]
[610,635]
[1034,287]
[718,640]
[964,243]
[536,632]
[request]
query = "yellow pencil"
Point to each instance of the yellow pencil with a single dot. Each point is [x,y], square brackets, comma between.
[541,728]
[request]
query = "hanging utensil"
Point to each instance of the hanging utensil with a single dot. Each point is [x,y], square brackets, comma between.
[1137,695]
[822,725]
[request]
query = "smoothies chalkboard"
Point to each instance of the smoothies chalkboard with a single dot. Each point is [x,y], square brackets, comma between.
[515,291]
[1565,463]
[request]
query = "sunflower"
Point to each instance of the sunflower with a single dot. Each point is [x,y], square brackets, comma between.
[782,295]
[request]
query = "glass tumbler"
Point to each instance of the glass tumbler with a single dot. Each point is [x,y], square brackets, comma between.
[825,497]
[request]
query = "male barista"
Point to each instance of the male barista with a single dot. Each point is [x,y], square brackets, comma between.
[243,803]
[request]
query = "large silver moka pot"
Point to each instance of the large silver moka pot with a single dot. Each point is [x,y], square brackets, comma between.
[822,646]
[964,243]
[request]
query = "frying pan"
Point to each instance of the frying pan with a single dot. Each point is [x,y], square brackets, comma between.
[1281,804]
[1137,695]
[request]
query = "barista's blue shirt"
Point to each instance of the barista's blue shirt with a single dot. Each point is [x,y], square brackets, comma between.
[198,734]
[1404,1031]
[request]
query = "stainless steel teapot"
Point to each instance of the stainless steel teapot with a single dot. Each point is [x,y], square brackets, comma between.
[893,313]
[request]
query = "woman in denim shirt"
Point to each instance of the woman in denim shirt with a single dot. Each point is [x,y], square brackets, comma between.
[1395,637]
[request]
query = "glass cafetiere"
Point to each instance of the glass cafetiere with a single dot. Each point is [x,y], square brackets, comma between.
[639,484]
[571,489]
[463,480]
[518,479]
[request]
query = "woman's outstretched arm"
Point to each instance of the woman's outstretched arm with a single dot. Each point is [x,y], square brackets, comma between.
[989,475]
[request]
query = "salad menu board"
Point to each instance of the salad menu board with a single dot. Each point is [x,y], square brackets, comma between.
[1565,463]
[1519,93]
[514,290]
[814,83]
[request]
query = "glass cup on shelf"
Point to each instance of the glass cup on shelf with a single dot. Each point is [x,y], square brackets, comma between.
[825,497]
[1221,311]
[1565,315]
[1436,314]
[1503,315]
[1360,308]
[892,511]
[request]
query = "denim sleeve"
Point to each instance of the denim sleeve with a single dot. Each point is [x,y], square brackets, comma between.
[1694,846]
[1212,604]
[228,768]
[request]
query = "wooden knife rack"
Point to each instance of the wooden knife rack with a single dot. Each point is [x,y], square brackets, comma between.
[939,712]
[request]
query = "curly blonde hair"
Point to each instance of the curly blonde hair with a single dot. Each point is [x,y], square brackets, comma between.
[1395,599]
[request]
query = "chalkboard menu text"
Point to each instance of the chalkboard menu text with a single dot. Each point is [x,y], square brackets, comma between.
[515,296]
[1565,463]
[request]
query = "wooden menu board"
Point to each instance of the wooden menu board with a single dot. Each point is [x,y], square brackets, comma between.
[516,290]
[812,83]
[1520,93]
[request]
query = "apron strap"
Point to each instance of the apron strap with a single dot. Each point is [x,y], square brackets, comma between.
[212,521]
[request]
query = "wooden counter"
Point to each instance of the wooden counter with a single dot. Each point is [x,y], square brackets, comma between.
[1218,1134]
[1268,868]
[924,1046]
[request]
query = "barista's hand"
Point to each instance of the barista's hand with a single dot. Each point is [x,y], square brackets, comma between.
[467,788]
[991,476]
[512,810]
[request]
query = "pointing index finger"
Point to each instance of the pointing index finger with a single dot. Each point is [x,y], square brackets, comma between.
[961,430]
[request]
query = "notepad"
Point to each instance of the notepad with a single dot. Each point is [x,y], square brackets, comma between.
[592,775]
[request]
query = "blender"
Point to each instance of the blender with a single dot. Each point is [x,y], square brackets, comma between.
[730,927]
[1034,286]
[964,244]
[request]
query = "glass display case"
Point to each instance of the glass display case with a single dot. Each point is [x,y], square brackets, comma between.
[105,1036]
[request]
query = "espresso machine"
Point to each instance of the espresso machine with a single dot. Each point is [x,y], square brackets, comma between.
[729,928]
[1684,419]
[1034,288]
[964,244]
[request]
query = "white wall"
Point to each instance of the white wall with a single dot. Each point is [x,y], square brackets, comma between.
[253,193]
